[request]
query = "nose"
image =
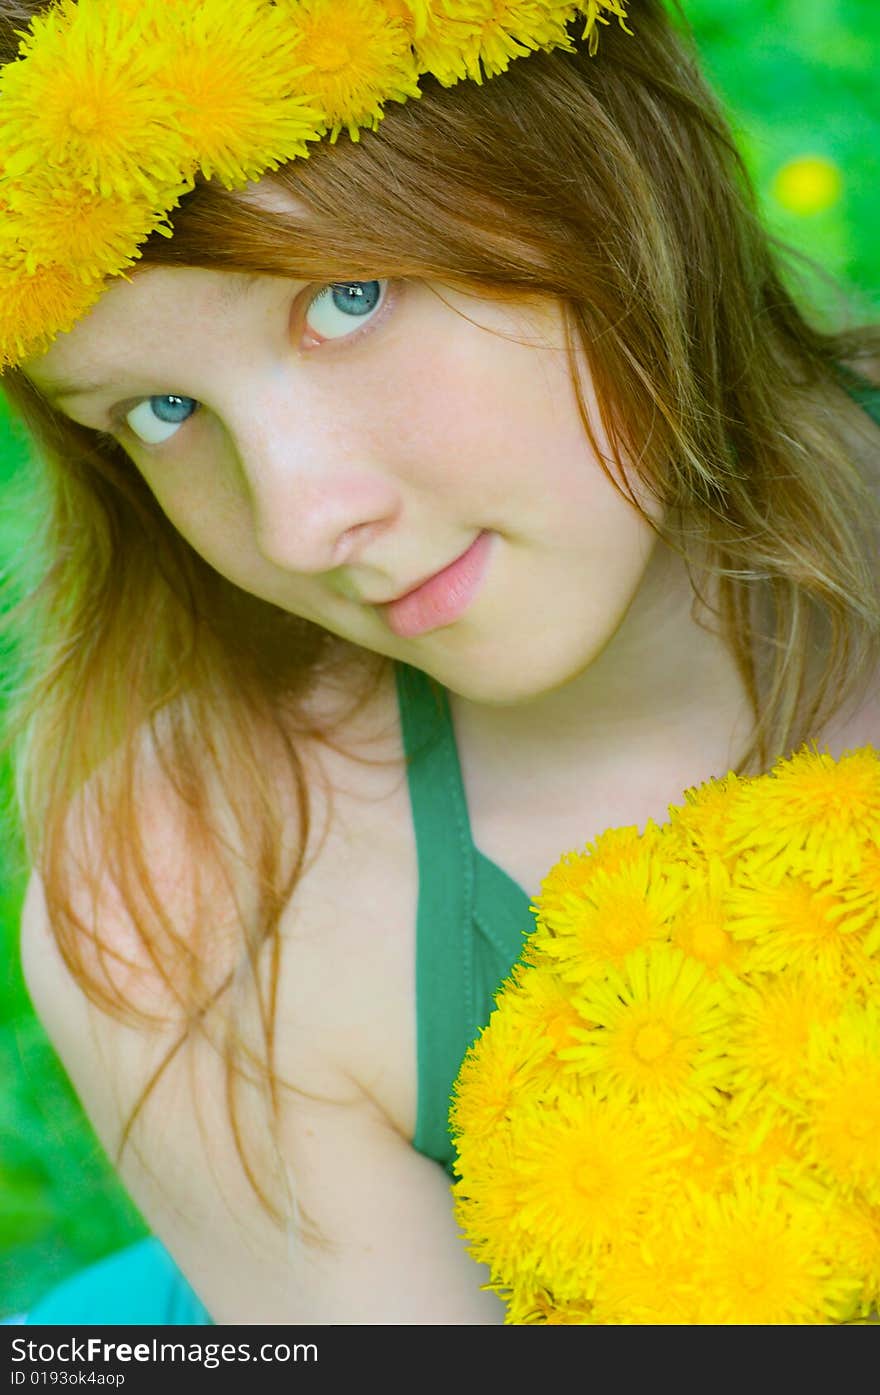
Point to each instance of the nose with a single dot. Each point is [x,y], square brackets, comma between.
[316,504]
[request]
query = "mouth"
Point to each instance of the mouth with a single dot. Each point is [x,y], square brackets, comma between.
[443,598]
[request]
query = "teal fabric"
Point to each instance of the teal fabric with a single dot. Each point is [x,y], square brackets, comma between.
[140,1286]
[471,921]
[472,918]
[861,391]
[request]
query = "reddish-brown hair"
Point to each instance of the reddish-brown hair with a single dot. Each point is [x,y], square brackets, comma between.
[611,184]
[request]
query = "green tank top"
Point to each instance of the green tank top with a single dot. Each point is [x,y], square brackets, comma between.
[472,917]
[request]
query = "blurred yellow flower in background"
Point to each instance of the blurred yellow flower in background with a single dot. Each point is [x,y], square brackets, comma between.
[809,184]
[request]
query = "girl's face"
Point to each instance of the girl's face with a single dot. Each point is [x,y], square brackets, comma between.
[331,449]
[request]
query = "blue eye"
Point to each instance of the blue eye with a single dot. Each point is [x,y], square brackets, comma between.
[340,307]
[157,419]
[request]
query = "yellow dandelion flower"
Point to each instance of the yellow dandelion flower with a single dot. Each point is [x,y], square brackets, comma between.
[699,829]
[706,1158]
[842,1100]
[700,926]
[647,1279]
[596,12]
[568,881]
[12,231]
[791,924]
[866,872]
[488,1210]
[852,1237]
[544,1005]
[155,12]
[587,1172]
[619,848]
[660,1033]
[861,894]
[153,16]
[769,1144]
[514,28]
[84,99]
[755,1069]
[770,1032]
[484,36]
[759,1259]
[70,224]
[413,14]
[813,805]
[495,1073]
[565,882]
[445,43]
[570,1315]
[354,56]
[232,75]
[530,1307]
[36,305]
[617,913]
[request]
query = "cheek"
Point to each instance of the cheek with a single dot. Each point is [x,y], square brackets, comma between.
[184,497]
[497,424]
[458,420]
[207,510]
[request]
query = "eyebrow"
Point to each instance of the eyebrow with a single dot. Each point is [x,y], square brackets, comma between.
[238,287]
[62,387]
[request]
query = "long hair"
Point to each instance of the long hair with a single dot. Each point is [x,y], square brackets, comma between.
[611,184]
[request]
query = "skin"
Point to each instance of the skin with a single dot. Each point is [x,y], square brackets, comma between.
[324,474]
[329,467]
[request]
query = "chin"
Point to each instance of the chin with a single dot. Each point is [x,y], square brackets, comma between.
[512,676]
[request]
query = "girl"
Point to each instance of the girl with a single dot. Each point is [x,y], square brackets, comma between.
[415,511]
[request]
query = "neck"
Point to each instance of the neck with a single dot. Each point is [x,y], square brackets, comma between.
[663,678]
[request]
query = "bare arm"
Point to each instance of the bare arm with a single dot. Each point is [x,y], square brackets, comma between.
[372,1237]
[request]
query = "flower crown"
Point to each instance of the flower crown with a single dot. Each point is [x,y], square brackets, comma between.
[113,107]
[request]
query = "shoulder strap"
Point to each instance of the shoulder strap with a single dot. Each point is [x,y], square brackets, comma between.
[445,1003]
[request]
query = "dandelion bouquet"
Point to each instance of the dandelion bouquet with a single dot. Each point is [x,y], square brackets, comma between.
[673,1115]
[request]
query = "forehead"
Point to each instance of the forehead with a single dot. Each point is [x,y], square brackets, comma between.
[142,317]
[140,311]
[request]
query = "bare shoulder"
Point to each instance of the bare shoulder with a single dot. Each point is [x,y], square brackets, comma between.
[856,725]
[856,721]
[351,818]
[125,941]
[363,1228]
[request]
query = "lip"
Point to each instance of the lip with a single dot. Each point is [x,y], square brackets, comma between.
[442,598]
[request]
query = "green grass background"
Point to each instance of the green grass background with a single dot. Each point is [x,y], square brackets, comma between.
[798,78]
